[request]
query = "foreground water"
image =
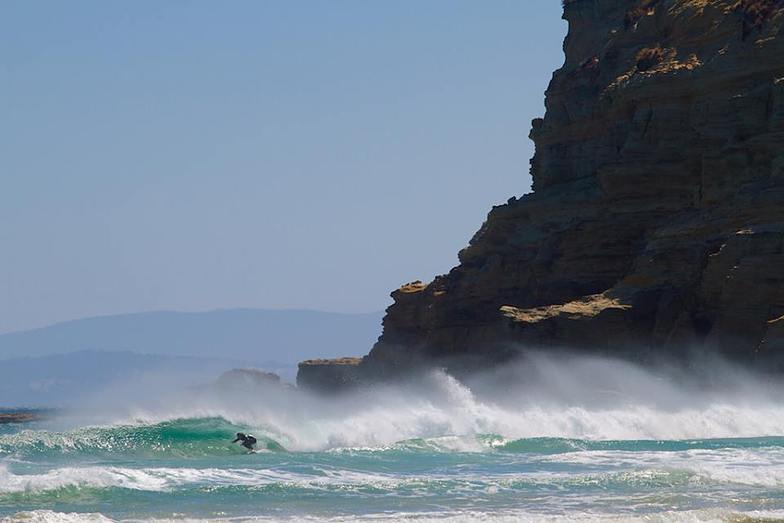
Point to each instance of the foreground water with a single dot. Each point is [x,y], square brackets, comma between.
[455,458]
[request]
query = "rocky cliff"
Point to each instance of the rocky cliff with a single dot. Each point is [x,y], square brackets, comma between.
[656,221]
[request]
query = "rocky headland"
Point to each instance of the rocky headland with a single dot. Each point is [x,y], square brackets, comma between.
[656,221]
[22,416]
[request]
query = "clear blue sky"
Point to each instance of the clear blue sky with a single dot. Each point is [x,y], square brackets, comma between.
[194,155]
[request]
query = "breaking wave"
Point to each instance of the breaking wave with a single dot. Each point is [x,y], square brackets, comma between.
[438,413]
[202,437]
[177,438]
[570,445]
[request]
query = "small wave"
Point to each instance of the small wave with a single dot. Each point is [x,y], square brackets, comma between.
[763,467]
[618,471]
[517,516]
[50,516]
[159,479]
[549,446]
[564,445]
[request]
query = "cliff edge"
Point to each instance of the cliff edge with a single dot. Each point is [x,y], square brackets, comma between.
[656,221]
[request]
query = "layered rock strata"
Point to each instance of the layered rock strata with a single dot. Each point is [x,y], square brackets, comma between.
[656,221]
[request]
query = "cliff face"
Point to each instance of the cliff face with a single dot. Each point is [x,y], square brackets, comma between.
[656,223]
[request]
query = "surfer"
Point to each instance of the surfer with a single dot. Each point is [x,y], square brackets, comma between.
[247,440]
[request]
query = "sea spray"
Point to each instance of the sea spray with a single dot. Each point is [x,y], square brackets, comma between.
[553,439]
[582,398]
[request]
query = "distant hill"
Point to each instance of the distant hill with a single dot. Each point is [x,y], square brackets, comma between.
[283,336]
[63,379]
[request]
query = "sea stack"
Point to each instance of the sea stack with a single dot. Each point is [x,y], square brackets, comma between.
[656,221]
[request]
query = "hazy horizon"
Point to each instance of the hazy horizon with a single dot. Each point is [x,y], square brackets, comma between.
[58,364]
[243,334]
[188,312]
[275,155]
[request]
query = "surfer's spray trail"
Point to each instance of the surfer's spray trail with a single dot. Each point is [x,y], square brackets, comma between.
[573,439]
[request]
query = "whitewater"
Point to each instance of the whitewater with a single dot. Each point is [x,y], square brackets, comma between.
[550,439]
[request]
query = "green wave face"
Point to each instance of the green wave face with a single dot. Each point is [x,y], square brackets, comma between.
[191,437]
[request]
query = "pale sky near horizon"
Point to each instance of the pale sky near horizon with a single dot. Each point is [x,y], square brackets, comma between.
[192,155]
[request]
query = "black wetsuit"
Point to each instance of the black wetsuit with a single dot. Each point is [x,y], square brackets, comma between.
[248,441]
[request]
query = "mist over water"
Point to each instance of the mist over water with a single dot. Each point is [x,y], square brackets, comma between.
[548,437]
[539,396]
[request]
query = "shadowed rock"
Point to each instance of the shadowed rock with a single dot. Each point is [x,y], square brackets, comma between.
[656,223]
[247,377]
[329,374]
[21,416]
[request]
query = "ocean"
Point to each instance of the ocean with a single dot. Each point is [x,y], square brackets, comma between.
[638,449]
